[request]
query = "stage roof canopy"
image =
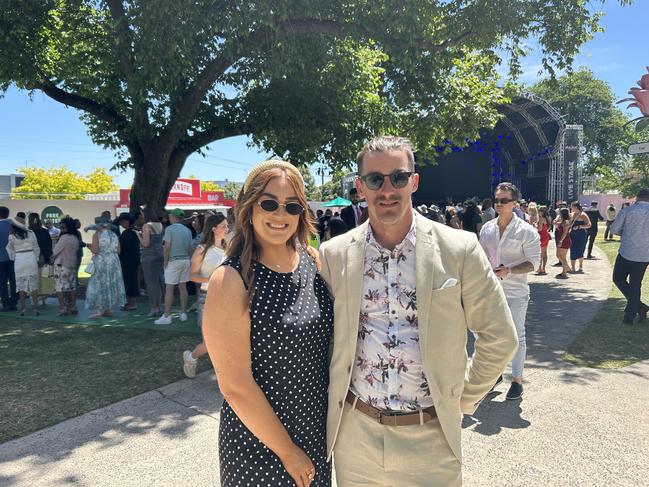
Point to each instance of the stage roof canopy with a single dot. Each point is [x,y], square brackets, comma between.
[535,127]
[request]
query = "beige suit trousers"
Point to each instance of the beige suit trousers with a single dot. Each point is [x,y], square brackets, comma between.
[368,454]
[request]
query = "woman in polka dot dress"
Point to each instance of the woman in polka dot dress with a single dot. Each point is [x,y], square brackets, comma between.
[267,326]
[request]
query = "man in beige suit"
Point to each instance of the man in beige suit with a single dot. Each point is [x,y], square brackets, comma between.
[406,292]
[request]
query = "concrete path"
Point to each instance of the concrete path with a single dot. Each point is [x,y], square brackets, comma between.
[574,427]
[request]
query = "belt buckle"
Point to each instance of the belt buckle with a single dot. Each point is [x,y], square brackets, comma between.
[392,422]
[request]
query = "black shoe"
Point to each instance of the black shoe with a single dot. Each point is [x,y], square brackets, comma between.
[515,391]
[558,264]
[642,314]
[590,257]
[627,321]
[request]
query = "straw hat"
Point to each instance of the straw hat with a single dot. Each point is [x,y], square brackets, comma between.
[271,164]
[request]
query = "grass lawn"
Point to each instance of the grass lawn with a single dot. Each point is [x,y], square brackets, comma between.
[606,343]
[50,372]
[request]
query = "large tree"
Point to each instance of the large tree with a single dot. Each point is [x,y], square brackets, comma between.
[308,80]
[586,100]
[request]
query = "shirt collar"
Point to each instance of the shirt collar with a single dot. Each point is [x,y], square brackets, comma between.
[411,236]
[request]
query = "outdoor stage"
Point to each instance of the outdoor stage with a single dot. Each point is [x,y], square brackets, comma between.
[530,146]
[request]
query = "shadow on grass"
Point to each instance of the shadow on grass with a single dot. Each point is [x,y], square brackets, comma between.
[609,344]
[51,372]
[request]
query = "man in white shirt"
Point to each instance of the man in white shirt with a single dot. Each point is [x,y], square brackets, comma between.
[514,250]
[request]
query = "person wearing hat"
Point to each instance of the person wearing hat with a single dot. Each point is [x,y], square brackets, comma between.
[105,288]
[129,258]
[23,249]
[177,251]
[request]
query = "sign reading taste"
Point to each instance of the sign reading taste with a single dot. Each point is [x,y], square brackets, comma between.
[184,192]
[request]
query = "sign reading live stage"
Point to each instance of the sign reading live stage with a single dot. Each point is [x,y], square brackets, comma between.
[185,192]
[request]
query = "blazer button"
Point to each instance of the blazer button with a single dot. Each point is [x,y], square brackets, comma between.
[340,404]
[349,368]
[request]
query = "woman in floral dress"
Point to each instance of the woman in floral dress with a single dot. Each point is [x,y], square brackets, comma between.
[64,258]
[106,286]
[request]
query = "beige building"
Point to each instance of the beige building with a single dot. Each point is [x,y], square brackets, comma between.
[84,210]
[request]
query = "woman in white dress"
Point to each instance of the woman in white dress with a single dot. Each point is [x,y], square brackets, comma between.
[208,255]
[23,249]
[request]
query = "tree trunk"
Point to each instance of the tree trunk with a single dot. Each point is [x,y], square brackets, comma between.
[154,178]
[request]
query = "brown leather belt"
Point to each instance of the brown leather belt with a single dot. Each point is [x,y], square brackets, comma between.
[393,418]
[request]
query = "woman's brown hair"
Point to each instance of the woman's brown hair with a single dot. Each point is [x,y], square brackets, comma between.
[208,235]
[243,243]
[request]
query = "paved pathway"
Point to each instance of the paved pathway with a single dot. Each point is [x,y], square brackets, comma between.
[575,427]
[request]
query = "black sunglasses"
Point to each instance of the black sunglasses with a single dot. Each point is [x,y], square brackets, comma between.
[374,180]
[272,205]
[503,201]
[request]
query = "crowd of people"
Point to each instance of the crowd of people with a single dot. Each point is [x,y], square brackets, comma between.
[575,228]
[130,256]
[355,349]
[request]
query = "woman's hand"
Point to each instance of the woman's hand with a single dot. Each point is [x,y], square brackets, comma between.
[299,466]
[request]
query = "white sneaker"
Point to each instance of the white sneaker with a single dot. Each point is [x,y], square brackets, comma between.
[163,320]
[189,364]
[183,316]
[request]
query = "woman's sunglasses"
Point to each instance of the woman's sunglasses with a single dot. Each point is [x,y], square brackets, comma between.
[374,180]
[272,205]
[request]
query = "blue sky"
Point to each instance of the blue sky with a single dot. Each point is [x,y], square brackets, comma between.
[44,133]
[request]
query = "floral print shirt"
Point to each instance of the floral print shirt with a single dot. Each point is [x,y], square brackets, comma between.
[388,372]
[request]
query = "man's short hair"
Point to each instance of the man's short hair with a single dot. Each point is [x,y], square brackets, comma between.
[511,187]
[643,194]
[593,203]
[4,212]
[387,143]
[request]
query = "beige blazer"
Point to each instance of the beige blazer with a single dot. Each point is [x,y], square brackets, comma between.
[476,303]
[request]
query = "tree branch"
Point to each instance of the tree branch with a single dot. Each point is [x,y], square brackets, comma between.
[97,109]
[126,61]
[123,38]
[201,139]
[185,111]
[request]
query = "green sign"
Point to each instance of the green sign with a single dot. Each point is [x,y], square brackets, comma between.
[51,214]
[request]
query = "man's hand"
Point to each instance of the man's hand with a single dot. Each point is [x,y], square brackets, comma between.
[502,272]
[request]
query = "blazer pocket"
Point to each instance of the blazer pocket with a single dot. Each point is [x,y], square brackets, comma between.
[446,291]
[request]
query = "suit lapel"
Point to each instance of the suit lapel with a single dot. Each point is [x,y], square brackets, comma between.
[354,270]
[425,251]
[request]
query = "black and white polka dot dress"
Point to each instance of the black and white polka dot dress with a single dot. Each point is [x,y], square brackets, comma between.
[291,323]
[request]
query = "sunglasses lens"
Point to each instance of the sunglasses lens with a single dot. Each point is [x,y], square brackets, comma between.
[374,180]
[399,179]
[269,205]
[294,208]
